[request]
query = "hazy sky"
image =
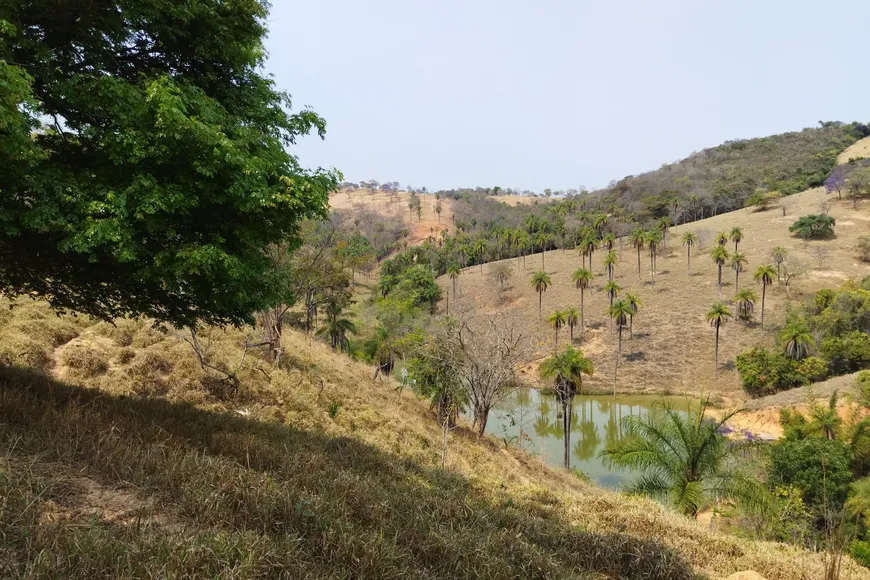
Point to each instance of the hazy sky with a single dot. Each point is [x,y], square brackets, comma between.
[536,94]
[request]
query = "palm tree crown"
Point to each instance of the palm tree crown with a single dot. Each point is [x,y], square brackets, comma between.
[797,340]
[682,455]
[745,300]
[337,327]
[540,282]
[736,236]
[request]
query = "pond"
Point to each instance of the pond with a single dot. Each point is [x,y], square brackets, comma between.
[596,420]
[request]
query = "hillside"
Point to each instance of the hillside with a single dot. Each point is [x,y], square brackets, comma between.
[672,348]
[859,149]
[721,178]
[123,459]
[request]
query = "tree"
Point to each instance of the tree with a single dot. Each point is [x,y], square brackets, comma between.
[836,181]
[792,270]
[721,238]
[812,227]
[453,272]
[634,304]
[582,278]
[863,247]
[145,161]
[778,256]
[858,184]
[566,370]
[717,316]
[557,321]
[689,239]
[438,210]
[612,289]
[540,282]
[610,262]
[683,455]
[818,467]
[797,340]
[572,317]
[745,300]
[719,255]
[736,236]
[762,200]
[589,245]
[336,327]
[478,250]
[653,238]
[637,239]
[738,261]
[620,312]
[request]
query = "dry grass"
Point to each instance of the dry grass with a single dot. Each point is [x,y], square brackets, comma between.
[858,149]
[146,474]
[672,350]
[382,203]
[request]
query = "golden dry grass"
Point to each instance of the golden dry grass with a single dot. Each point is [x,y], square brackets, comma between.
[514,200]
[672,350]
[382,203]
[860,148]
[119,479]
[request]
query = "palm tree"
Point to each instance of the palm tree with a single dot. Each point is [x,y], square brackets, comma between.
[540,282]
[717,316]
[572,317]
[720,256]
[689,239]
[736,236]
[633,303]
[336,327]
[566,370]
[764,274]
[745,300]
[620,311]
[582,278]
[478,250]
[610,262]
[825,419]
[502,272]
[612,289]
[637,238]
[653,238]
[589,245]
[608,240]
[664,225]
[453,272]
[523,244]
[778,255]
[542,240]
[600,223]
[557,321]
[797,340]
[738,261]
[721,238]
[682,454]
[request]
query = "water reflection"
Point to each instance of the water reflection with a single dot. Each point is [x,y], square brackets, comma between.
[534,421]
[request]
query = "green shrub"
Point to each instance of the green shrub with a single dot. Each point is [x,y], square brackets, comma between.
[848,353]
[812,227]
[764,373]
[820,468]
[813,369]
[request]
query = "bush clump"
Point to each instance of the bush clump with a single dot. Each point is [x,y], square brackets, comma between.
[84,362]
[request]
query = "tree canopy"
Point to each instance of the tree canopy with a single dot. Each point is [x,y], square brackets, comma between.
[144,161]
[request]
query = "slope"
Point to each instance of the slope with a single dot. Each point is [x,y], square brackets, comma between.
[672,345]
[136,465]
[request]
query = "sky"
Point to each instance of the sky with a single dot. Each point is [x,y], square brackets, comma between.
[558,94]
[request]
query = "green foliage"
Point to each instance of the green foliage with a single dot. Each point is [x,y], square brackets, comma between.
[847,353]
[144,159]
[682,455]
[764,373]
[818,467]
[416,284]
[811,227]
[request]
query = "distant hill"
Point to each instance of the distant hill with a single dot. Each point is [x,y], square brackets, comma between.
[722,178]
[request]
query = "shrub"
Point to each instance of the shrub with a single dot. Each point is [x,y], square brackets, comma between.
[814,227]
[813,369]
[863,248]
[848,353]
[85,362]
[819,468]
[764,373]
[17,349]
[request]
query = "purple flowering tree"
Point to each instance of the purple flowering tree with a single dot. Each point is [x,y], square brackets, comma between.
[836,181]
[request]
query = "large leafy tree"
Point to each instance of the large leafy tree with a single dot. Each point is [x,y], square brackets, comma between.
[682,454]
[566,370]
[145,168]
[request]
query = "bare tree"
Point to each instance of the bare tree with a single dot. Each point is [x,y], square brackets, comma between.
[792,270]
[703,238]
[488,357]
[825,207]
[821,253]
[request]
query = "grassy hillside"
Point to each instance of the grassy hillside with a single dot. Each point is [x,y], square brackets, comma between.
[721,178]
[672,348]
[123,459]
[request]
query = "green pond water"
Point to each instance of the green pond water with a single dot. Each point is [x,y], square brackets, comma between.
[596,420]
